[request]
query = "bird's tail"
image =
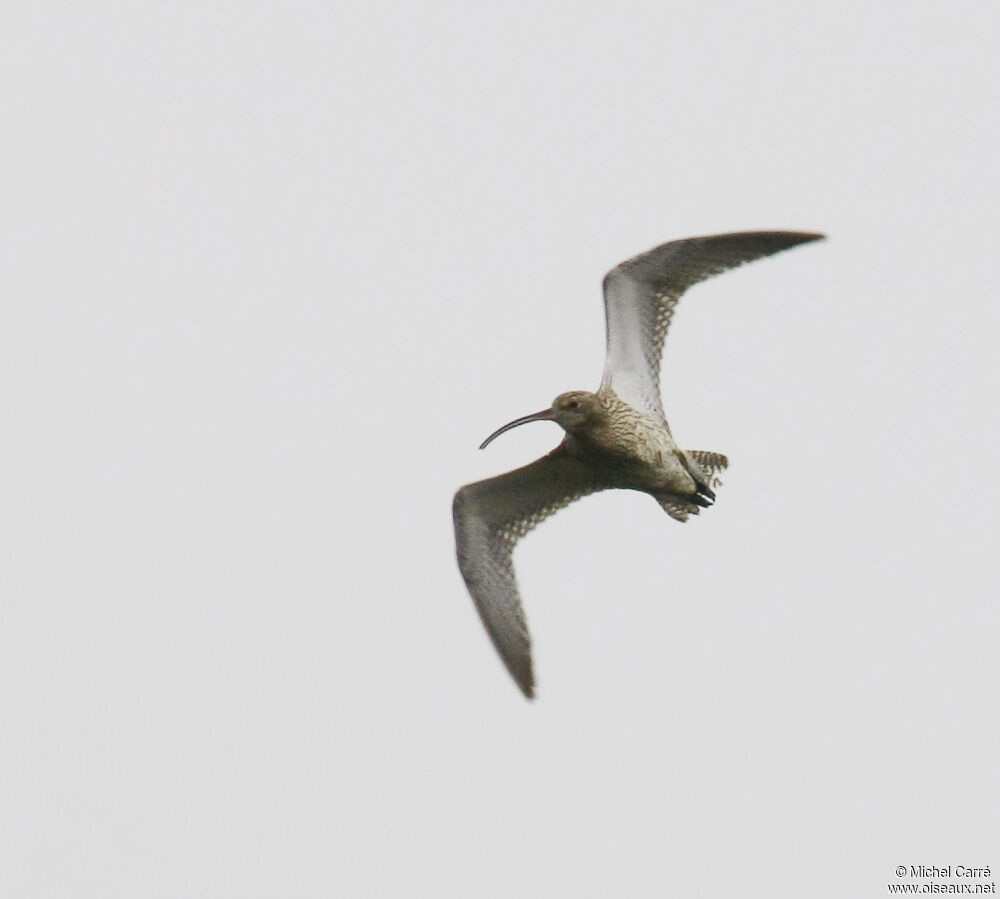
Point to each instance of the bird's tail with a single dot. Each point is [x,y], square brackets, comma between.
[709,465]
[704,468]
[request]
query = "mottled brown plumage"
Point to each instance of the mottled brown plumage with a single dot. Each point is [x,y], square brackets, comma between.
[617,437]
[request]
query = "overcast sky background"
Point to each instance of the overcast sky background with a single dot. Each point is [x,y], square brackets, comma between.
[271,272]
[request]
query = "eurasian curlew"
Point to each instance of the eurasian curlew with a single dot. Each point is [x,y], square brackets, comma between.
[617,437]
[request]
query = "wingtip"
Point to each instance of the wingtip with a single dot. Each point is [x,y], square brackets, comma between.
[779,239]
[789,238]
[525,680]
[786,240]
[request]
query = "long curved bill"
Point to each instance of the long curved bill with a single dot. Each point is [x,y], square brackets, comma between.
[544,415]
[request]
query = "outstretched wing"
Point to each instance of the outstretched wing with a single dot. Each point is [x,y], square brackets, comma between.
[490,517]
[640,296]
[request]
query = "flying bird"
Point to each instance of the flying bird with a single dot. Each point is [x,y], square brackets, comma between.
[617,437]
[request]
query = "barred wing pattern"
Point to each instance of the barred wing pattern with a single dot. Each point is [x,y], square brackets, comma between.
[640,296]
[490,517]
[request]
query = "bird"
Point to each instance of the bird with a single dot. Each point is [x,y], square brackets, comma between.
[615,438]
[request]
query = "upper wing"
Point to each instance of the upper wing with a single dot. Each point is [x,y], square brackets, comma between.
[490,517]
[640,296]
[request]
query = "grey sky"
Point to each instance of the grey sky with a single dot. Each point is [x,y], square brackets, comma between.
[271,272]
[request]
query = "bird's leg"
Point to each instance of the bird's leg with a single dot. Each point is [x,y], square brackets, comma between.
[703,496]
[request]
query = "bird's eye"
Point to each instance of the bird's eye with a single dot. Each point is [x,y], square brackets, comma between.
[573,404]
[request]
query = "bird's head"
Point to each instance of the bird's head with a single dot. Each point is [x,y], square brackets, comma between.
[573,411]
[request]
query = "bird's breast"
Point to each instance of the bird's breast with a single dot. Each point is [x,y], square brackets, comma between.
[635,451]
